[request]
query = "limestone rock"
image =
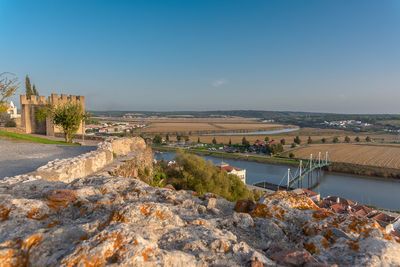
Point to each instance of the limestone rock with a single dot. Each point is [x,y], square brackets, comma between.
[125,222]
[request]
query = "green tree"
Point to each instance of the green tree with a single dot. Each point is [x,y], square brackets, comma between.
[214,141]
[198,140]
[291,155]
[275,149]
[368,139]
[283,141]
[323,140]
[297,140]
[309,140]
[157,139]
[178,138]
[202,176]
[335,139]
[34,91]
[293,145]
[68,116]
[230,142]
[167,138]
[28,87]
[8,87]
[347,139]
[266,139]
[357,139]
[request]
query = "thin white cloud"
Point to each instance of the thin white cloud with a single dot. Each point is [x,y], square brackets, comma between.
[219,82]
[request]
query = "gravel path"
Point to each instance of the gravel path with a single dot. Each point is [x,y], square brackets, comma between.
[20,158]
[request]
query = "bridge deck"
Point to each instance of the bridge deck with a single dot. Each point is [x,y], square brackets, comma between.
[306,172]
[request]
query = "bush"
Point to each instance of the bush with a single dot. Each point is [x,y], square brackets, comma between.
[11,123]
[293,145]
[196,174]
[297,140]
[291,155]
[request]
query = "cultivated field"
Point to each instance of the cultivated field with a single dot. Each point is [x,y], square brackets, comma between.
[186,128]
[374,155]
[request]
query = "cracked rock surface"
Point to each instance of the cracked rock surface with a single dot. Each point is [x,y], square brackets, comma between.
[98,221]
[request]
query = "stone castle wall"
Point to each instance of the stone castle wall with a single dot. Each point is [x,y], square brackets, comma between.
[29,107]
[67,170]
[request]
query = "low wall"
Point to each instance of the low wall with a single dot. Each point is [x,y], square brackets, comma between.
[67,170]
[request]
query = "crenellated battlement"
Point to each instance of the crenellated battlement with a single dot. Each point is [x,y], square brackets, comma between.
[53,99]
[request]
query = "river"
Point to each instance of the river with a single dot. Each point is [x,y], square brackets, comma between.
[285,130]
[379,192]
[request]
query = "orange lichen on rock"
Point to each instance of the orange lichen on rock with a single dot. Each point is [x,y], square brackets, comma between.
[310,247]
[111,255]
[322,214]
[145,209]
[36,215]
[145,254]
[16,252]
[161,215]
[261,210]
[52,224]
[4,213]
[296,201]
[353,245]
[61,198]
[244,205]
[114,216]
[198,222]
[148,209]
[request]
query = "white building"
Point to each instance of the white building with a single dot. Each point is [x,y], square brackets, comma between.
[232,170]
[12,111]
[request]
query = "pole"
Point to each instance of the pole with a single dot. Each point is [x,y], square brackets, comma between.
[288,179]
[301,178]
[83,132]
[319,162]
[310,170]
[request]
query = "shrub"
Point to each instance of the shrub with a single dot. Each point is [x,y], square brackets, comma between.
[291,155]
[11,123]
[202,176]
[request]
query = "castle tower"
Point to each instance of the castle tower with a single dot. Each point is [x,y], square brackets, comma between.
[29,107]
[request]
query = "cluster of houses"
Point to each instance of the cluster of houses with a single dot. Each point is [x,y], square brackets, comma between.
[346,123]
[112,128]
[261,146]
[341,205]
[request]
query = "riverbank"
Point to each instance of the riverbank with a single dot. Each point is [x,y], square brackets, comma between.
[253,158]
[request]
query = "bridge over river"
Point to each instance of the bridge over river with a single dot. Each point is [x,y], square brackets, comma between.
[306,176]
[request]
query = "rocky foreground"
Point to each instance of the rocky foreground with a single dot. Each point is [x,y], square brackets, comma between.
[99,221]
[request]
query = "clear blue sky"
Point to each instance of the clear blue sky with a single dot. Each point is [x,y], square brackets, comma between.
[333,56]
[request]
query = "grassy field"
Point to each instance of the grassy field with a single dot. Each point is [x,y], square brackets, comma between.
[29,138]
[364,154]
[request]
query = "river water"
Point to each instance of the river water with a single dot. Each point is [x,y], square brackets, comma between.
[366,190]
[285,130]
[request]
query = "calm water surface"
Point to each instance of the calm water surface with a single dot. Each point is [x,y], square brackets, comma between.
[286,130]
[371,191]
